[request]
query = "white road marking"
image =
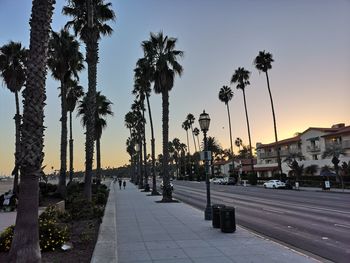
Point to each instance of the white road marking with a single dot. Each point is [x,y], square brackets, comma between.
[324,238]
[273,211]
[345,226]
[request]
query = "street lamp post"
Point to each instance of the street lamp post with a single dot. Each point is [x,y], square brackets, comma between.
[204,122]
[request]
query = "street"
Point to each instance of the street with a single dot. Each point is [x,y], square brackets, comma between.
[317,222]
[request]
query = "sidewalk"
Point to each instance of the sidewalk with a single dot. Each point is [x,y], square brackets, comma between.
[146,231]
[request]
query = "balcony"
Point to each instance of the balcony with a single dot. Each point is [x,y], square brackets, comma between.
[313,148]
[283,153]
[344,144]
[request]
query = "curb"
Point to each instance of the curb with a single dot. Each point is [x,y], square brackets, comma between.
[105,248]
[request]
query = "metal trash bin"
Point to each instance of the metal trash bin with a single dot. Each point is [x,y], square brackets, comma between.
[216,214]
[227,219]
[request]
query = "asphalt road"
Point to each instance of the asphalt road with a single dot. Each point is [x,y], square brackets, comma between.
[317,222]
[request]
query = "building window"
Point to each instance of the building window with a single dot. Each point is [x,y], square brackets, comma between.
[314,157]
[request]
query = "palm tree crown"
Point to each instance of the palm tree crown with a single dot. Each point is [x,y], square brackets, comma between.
[263,61]
[225,94]
[241,77]
[102,12]
[12,65]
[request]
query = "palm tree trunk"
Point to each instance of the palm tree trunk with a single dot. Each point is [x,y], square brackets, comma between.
[141,172]
[17,146]
[167,193]
[25,243]
[194,141]
[153,150]
[145,152]
[61,188]
[92,59]
[98,160]
[188,143]
[250,141]
[229,124]
[274,126]
[71,169]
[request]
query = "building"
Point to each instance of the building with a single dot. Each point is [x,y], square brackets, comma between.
[307,148]
[223,167]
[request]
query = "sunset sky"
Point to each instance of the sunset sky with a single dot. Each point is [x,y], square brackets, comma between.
[310,78]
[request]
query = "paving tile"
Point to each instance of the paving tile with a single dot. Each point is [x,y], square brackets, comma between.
[135,256]
[171,253]
[164,244]
[203,252]
[131,246]
[190,243]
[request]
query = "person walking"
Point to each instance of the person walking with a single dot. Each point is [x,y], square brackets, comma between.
[124,184]
[120,183]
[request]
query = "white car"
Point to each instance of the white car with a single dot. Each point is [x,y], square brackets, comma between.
[274,184]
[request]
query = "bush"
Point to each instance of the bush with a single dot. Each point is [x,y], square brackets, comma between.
[6,238]
[252,178]
[46,189]
[52,234]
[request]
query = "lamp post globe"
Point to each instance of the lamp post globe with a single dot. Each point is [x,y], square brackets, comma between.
[204,122]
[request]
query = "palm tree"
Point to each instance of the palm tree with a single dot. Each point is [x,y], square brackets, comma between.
[138,109]
[65,61]
[129,122]
[196,133]
[186,126]
[225,95]
[241,77]
[190,119]
[163,57]
[238,143]
[296,169]
[74,93]
[89,22]
[25,243]
[12,69]
[263,63]
[143,77]
[103,109]
[335,152]
[215,148]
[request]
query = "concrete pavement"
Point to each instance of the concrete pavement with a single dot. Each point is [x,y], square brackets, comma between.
[145,231]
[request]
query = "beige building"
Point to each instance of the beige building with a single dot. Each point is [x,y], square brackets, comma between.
[307,148]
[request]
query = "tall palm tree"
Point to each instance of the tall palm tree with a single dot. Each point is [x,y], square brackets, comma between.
[89,22]
[196,133]
[103,109]
[65,61]
[263,63]
[74,93]
[190,118]
[225,95]
[129,122]
[138,110]
[186,126]
[163,57]
[12,70]
[25,243]
[215,148]
[143,78]
[238,143]
[241,77]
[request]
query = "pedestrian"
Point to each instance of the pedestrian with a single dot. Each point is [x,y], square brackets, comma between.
[124,184]
[120,183]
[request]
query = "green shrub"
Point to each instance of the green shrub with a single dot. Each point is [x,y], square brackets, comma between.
[252,178]
[52,234]
[6,238]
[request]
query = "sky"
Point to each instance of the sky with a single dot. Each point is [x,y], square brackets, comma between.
[310,80]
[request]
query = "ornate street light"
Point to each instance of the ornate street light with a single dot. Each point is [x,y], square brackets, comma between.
[204,122]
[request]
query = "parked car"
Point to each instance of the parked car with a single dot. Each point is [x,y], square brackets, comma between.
[171,185]
[274,184]
[231,181]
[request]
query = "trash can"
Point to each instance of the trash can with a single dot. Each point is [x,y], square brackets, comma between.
[216,214]
[227,219]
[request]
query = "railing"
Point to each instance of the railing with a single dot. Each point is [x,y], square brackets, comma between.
[313,148]
[344,144]
[283,153]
